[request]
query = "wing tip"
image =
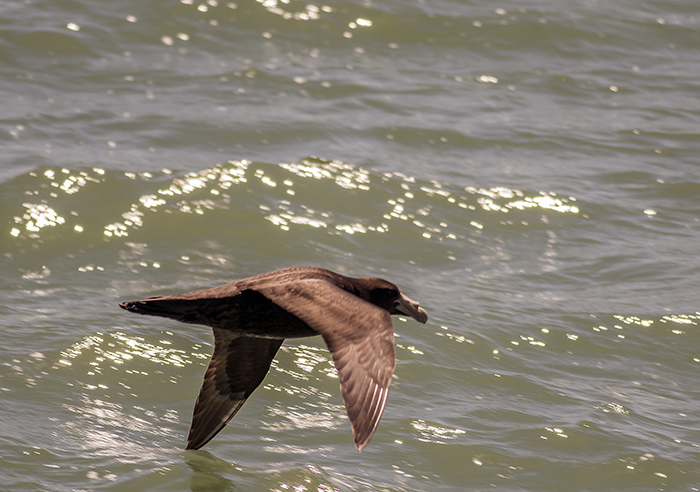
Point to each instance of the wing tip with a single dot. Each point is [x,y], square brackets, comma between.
[363,438]
[361,445]
[197,439]
[193,443]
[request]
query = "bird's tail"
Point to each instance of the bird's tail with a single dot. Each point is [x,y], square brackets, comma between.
[184,310]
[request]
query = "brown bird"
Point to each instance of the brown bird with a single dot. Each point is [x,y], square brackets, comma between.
[252,317]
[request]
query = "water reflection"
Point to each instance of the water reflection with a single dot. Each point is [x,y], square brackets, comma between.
[207,472]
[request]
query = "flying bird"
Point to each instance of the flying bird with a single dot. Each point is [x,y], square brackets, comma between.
[252,317]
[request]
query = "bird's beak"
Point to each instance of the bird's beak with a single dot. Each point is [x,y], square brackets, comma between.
[411,308]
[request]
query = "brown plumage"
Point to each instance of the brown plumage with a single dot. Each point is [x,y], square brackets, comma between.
[252,317]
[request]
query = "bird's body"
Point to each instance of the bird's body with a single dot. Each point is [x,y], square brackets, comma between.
[252,317]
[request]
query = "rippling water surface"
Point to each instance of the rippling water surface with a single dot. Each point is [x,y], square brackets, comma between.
[528,172]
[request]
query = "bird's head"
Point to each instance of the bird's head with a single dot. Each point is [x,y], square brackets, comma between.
[388,296]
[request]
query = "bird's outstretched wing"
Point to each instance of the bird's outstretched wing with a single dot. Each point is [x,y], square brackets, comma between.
[238,366]
[360,337]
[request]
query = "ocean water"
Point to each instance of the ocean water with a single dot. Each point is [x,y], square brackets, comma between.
[529,172]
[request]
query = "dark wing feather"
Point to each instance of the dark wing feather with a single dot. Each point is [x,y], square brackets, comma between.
[360,338]
[238,366]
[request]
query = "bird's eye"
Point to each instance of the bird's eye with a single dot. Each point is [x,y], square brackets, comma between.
[383,295]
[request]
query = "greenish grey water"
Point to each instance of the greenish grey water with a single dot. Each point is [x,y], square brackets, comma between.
[529,173]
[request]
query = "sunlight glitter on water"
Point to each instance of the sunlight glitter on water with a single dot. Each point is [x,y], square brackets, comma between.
[119,348]
[307,12]
[345,175]
[308,359]
[37,217]
[41,215]
[101,428]
[412,204]
[435,433]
